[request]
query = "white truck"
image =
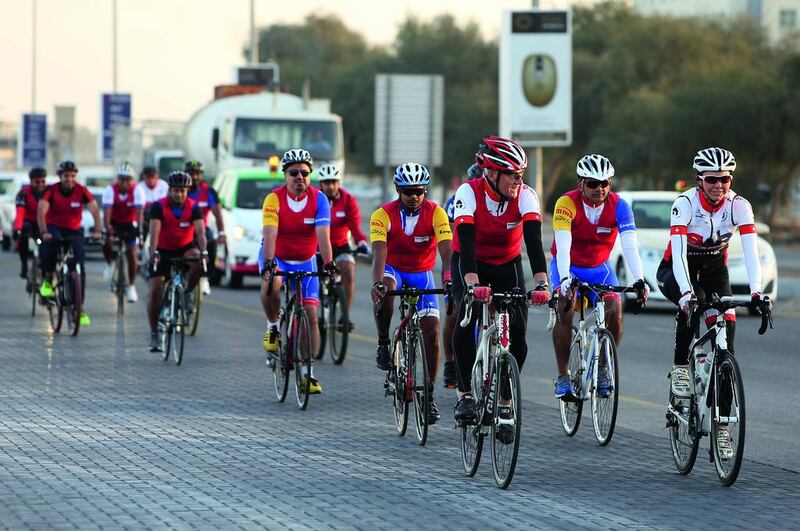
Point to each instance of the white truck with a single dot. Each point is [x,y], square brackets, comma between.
[243,131]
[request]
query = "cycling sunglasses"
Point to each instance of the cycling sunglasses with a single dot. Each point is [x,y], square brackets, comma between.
[413,192]
[295,172]
[594,183]
[512,176]
[725,179]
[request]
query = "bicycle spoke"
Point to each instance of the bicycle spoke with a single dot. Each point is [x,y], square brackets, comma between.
[507,421]
[571,409]
[729,402]
[604,407]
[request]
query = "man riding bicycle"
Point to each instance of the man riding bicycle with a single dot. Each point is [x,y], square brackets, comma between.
[494,213]
[154,189]
[586,223]
[702,223]
[296,219]
[345,220]
[123,204]
[405,234]
[25,226]
[207,199]
[176,231]
[59,215]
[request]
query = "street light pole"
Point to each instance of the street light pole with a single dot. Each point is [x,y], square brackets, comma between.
[253,45]
[536,155]
[114,44]
[33,63]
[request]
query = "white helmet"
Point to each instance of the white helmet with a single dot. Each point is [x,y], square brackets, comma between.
[713,159]
[595,167]
[411,174]
[329,172]
[126,169]
[296,156]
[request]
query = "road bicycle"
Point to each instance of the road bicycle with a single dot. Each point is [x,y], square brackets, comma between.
[592,348]
[294,351]
[333,317]
[119,269]
[33,281]
[495,387]
[716,405]
[172,320]
[67,299]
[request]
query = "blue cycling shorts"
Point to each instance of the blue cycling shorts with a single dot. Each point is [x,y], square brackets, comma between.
[310,284]
[428,305]
[603,274]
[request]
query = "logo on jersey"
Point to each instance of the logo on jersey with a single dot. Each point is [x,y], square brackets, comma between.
[510,226]
[308,221]
[341,214]
[75,204]
[459,203]
[675,211]
[603,230]
[421,239]
[184,224]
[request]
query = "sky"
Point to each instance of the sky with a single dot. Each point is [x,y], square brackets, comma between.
[171,53]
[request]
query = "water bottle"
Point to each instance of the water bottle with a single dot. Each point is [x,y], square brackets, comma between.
[702,367]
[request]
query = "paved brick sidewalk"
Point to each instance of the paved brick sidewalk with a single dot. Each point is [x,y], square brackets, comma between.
[96,432]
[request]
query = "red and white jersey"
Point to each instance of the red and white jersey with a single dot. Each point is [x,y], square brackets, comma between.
[498,224]
[151,195]
[708,229]
[345,219]
[66,211]
[123,206]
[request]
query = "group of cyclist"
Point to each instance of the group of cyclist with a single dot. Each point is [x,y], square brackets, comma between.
[478,236]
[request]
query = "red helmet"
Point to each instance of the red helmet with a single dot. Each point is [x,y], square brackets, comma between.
[502,154]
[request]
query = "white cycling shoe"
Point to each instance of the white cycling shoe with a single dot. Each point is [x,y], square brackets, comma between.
[679,381]
[107,273]
[130,292]
[205,287]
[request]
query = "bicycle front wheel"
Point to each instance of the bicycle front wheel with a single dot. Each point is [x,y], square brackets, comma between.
[33,282]
[119,280]
[605,402]
[418,381]
[280,366]
[194,320]
[396,383]
[178,324]
[55,308]
[684,438]
[728,416]
[301,336]
[339,325]
[472,434]
[571,409]
[507,421]
[73,305]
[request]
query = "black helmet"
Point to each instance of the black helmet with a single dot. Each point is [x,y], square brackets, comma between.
[66,165]
[193,165]
[179,179]
[149,170]
[37,173]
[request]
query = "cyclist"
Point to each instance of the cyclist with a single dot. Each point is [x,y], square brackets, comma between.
[154,189]
[59,214]
[586,222]
[27,202]
[450,380]
[345,220]
[702,223]
[207,199]
[123,203]
[176,230]
[493,215]
[405,235]
[296,219]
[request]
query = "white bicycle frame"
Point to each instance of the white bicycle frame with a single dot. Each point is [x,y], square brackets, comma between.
[590,346]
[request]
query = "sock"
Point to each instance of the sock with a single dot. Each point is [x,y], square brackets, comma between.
[272,324]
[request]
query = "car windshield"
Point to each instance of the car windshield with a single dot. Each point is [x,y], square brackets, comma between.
[261,138]
[98,182]
[5,184]
[167,165]
[651,214]
[250,193]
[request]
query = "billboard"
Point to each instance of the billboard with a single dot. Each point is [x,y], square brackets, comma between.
[32,140]
[115,112]
[536,77]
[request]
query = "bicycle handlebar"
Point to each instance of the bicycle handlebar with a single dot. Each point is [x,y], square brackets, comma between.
[723,304]
[503,297]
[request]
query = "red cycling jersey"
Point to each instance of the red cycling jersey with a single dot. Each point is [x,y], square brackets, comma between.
[123,210]
[591,244]
[176,231]
[345,218]
[27,203]
[66,211]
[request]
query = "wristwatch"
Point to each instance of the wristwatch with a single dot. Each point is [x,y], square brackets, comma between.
[542,285]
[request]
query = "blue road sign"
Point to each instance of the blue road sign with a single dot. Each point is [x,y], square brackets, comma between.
[32,141]
[114,109]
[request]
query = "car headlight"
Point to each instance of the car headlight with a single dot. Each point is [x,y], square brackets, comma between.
[237,232]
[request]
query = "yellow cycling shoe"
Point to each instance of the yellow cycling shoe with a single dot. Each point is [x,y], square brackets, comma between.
[271,340]
[46,289]
[314,387]
[85,321]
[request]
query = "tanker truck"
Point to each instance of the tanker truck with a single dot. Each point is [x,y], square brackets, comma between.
[242,131]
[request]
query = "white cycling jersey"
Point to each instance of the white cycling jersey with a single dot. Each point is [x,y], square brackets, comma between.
[151,195]
[701,232]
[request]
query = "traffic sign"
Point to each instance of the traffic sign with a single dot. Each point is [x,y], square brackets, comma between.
[32,140]
[115,111]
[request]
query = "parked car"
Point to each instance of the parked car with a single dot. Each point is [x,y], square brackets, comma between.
[242,193]
[652,213]
[95,178]
[9,186]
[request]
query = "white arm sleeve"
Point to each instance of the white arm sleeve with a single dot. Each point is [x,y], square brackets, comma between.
[751,261]
[630,251]
[680,267]
[563,246]
[138,197]
[108,197]
[465,202]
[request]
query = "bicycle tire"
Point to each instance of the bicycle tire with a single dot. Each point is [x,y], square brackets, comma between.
[280,365]
[178,325]
[338,336]
[55,306]
[166,303]
[728,379]
[505,462]
[198,303]
[119,280]
[399,402]
[418,370]
[684,438]
[604,410]
[33,282]
[571,410]
[322,322]
[302,352]
[75,302]
[472,434]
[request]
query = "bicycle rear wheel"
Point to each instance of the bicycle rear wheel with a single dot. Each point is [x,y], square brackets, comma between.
[728,413]
[55,307]
[684,438]
[178,324]
[74,300]
[571,409]
[604,409]
[34,281]
[280,365]
[396,372]
[418,382]
[165,324]
[506,422]
[472,434]
[301,337]
[194,320]
[120,279]
[338,334]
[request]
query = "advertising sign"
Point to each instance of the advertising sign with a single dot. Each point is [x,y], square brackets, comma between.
[32,140]
[115,111]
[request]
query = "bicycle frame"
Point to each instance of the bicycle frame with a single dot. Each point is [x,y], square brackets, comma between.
[590,343]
